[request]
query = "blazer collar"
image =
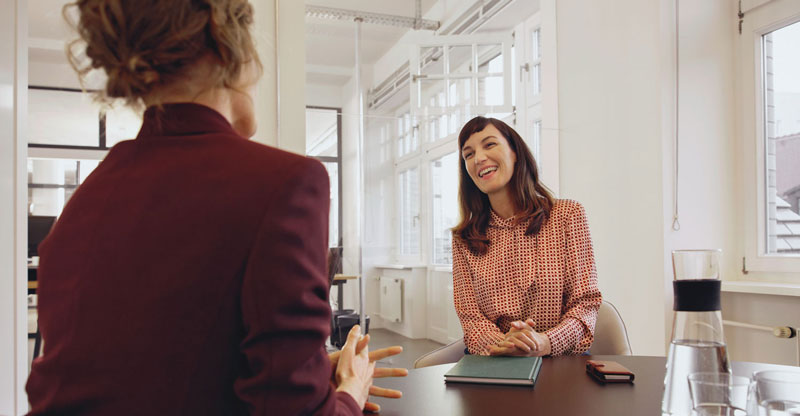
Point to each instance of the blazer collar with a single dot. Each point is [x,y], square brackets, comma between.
[182,119]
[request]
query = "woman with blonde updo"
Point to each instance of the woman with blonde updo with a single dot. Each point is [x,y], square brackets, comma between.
[187,274]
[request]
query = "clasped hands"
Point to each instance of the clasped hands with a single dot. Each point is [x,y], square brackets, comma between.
[522,341]
[354,368]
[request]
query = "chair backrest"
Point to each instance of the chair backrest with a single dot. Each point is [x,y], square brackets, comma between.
[449,353]
[334,262]
[610,334]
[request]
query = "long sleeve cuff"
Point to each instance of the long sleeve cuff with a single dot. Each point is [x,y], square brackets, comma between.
[562,337]
[346,404]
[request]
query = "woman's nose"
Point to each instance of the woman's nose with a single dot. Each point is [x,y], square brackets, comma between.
[480,157]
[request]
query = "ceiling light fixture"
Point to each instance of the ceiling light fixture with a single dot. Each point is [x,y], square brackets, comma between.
[373,18]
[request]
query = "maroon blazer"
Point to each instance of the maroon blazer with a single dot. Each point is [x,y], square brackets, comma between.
[186,276]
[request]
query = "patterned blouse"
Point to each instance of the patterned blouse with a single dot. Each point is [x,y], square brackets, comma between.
[549,277]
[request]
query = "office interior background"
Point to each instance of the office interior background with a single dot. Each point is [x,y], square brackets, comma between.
[674,131]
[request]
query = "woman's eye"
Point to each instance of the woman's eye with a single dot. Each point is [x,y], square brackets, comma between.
[467,155]
[490,144]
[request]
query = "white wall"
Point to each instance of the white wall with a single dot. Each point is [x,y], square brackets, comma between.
[609,92]
[616,107]
[319,95]
[280,99]
[13,240]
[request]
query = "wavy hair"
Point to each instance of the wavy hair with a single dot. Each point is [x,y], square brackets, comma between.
[533,200]
[144,45]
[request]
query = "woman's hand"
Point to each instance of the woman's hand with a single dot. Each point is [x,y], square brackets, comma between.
[522,340]
[354,369]
[379,372]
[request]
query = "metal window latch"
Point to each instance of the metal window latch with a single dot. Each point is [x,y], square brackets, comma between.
[526,68]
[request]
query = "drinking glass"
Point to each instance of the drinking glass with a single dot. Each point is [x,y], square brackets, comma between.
[718,394]
[777,393]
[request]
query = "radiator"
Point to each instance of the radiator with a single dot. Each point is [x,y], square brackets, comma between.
[391,299]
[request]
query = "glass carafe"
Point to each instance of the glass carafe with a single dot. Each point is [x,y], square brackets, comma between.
[698,344]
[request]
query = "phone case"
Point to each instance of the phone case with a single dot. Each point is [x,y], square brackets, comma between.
[609,371]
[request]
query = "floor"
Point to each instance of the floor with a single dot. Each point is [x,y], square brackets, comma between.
[412,348]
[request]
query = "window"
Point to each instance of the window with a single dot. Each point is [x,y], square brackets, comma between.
[770,128]
[68,135]
[323,132]
[536,92]
[444,184]
[407,137]
[781,97]
[409,232]
[456,73]
[536,60]
[65,118]
[51,182]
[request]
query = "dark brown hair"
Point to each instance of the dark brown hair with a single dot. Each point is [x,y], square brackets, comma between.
[144,45]
[529,195]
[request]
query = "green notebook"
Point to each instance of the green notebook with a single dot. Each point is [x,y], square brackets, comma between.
[521,371]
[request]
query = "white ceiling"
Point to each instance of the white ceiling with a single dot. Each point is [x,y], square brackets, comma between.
[330,44]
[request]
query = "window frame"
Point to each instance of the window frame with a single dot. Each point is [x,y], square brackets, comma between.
[504,41]
[337,159]
[756,23]
[440,149]
[400,167]
[101,118]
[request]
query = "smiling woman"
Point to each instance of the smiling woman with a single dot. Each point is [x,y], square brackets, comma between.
[523,266]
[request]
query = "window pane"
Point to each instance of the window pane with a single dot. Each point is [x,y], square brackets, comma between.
[63,118]
[431,60]
[536,83]
[444,181]
[536,51]
[409,212]
[51,182]
[782,132]
[122,123]
[490,58]
[460,92]
[460,59]
[490,91]
[430,88]
[333,228]
[322,132]
[535,142]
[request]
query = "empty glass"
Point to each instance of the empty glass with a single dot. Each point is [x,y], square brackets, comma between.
[718,394]
[776,393]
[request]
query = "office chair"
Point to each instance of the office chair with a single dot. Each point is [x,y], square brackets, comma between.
[610,338]
[610,333]
[342,320]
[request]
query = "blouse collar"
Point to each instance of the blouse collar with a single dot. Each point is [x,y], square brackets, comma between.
[182,119]
[498,221]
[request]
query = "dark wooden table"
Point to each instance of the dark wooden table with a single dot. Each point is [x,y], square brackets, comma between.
[563,388]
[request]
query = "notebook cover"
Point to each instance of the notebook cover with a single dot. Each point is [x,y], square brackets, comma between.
[495,370]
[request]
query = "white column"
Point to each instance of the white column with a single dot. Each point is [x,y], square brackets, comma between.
[280,100]
[13,108]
